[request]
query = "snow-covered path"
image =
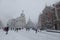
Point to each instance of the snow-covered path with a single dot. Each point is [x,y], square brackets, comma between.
[29,35]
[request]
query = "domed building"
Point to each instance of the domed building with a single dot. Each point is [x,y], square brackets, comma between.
[21,21]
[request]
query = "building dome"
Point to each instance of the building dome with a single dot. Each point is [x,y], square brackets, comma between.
[22,14]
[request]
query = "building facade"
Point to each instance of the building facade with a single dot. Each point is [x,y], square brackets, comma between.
[11,23]
[50,17]
[46,18]
[19,22]
[57,16]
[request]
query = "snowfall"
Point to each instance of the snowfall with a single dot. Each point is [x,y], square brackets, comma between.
[28,35]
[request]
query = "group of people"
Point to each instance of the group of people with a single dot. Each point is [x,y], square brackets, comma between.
[6,29]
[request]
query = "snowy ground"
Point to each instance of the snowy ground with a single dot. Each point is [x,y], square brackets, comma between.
[29,35]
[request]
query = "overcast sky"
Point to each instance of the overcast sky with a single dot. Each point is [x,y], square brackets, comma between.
[32,8]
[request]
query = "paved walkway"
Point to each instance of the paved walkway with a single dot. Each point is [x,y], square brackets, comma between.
[29,35]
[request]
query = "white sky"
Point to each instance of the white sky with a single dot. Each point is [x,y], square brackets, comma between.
[32,8]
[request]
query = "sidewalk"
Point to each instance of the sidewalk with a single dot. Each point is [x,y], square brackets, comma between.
[55,31]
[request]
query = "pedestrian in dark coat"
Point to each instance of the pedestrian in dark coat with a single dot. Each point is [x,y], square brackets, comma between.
[6,29]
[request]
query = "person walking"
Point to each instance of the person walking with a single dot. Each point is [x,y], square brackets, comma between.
[6,29]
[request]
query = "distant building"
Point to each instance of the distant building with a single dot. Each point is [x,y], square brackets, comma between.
[11,23]
[30,24]
[1,24]
[19,22]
